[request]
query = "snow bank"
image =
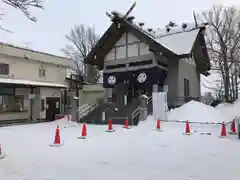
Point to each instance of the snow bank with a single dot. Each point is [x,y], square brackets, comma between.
[230,109]
[223,105]
[196,111]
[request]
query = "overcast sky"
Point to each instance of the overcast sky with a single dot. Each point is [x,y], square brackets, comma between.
[60,15]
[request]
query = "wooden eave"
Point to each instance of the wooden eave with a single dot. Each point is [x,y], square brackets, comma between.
[202,58]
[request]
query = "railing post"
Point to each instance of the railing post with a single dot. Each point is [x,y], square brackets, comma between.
[103,116]
[143,108]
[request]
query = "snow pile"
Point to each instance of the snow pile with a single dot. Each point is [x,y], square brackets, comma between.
[223,105]
[230,109]
[194,111]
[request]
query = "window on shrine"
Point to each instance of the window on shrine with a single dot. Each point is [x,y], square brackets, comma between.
[186,88]
[120,52]
[42,72]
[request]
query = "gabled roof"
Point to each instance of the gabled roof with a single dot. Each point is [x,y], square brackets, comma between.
[145,37]
[113,34]
[171,45]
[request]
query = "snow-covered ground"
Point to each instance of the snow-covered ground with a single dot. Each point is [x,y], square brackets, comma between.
[140,153]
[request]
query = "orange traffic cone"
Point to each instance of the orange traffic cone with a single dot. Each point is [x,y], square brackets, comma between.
[126,124]
[2,154]
[84,132]
[187,129]
[233,128]
[223,131]
[57,140]
[158,125]
[110,128]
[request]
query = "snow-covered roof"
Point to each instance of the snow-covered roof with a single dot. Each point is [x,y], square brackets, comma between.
[172,30]
[173,40]
[179,43]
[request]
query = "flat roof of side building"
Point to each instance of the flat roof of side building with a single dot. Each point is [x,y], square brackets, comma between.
[25,53]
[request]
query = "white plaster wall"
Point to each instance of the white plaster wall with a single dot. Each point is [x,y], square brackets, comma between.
[121,52]
[110,56]
[189,72]
[144,49]
[121,41]
[133,49]
[28,69]
[132,38]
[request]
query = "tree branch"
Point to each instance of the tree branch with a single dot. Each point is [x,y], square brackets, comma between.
[81,40]
[25,5]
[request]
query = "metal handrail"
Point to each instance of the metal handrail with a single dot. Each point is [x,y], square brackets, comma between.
[88,110]
[83,107]
[136,112]
[149,100]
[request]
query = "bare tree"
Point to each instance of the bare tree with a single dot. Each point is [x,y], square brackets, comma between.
[223,42]
[81,40]
[25,6]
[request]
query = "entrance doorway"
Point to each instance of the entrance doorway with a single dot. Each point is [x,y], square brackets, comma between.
[135,90]
[53,108]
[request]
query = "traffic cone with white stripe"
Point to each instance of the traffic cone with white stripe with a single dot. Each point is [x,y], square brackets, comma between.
[187,129]
[223,131]
[84,132]
[57,139]
[2,154]
[110,128]
[158,128]
[126,124]
[233,127]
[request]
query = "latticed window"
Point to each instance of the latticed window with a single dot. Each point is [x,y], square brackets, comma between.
[4,68]
[42,71]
